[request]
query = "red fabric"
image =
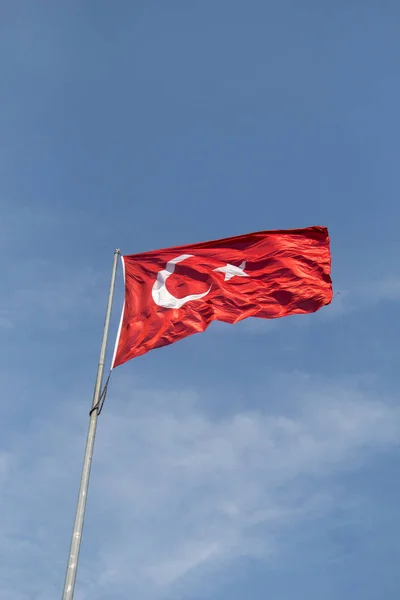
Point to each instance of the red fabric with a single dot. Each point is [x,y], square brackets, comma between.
[286,272]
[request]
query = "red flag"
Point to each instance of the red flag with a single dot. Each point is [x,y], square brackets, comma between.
[175,292]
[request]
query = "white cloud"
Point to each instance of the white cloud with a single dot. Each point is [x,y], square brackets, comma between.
[362,294]
[40,293]
[247,326]
[175,492]
[387,288]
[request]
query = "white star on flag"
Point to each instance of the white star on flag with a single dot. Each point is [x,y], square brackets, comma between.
[232,271]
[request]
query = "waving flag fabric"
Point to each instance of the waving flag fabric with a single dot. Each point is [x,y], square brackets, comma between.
[176,292]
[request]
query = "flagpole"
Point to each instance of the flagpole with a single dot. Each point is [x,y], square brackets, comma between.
[70,577]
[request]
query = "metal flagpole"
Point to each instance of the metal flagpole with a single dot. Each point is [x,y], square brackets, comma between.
[70,577]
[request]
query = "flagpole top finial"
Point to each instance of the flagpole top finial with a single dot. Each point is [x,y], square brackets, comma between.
[117,251]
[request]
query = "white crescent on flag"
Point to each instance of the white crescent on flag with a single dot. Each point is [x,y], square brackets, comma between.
[162,297]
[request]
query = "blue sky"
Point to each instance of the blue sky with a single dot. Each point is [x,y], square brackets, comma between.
[253,461]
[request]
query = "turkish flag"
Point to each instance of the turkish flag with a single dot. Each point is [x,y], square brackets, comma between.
[175,292]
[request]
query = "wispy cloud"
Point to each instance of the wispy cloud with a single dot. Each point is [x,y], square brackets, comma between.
[174,491]
[359,295]
[387,288]
[44,285]
[38,293]
[247,326]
